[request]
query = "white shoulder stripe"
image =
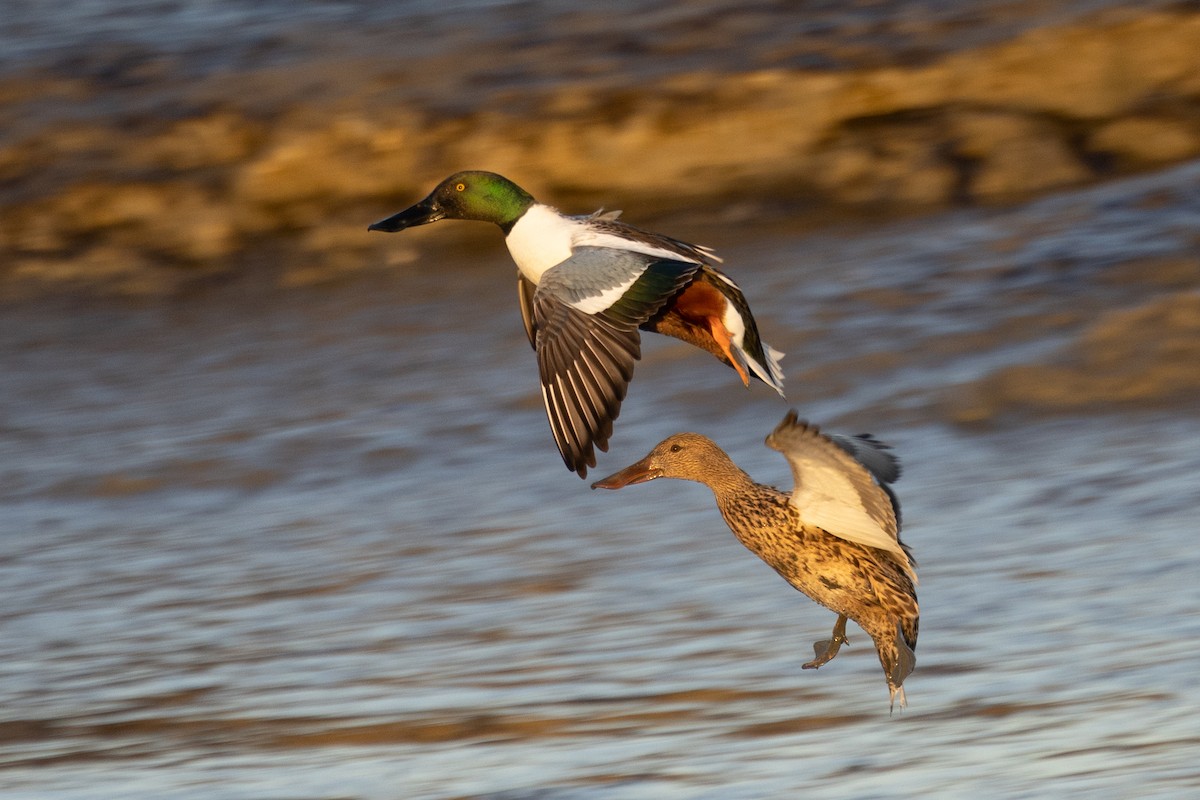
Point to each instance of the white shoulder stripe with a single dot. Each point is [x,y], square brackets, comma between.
[587,237]
[599,302]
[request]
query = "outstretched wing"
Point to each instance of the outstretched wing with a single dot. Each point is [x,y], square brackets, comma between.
[835,492]
[585,364]
[585,316]
[876,457]
[871,453]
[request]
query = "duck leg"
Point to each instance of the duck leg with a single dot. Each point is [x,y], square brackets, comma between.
[721,336]
[697,316]
[828,648]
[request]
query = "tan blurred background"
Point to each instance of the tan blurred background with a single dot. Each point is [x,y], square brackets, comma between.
[134,163]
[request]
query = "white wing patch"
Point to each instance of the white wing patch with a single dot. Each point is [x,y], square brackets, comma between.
[828,500]
[599,302]
[543,238]
[837,493]
[587,237]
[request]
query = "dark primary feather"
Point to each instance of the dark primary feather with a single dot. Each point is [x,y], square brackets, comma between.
[585,361]
[871,453]
[525,290]
[585,364]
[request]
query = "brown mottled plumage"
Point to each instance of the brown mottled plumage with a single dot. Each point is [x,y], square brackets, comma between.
[835,537]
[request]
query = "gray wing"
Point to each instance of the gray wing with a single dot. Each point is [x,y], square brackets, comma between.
[585,315]
[834,491]
[871,453]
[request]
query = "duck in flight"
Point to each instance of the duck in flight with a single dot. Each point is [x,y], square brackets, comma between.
[835,536]
[587,285]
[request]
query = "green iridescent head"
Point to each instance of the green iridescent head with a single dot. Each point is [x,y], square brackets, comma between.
[473,194]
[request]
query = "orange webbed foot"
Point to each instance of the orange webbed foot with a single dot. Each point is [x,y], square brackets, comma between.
[721,336]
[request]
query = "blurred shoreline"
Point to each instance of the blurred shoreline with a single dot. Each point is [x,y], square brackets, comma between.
[126,174]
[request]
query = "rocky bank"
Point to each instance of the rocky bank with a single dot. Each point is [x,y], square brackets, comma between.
[139,180]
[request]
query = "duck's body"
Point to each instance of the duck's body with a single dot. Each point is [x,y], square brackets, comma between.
[710,312]
[586,285]
[835,537]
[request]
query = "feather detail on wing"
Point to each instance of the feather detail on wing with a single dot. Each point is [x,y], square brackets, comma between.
[836,492]
[875,456]
[584,317]
[871,453]
[585,364]
[525,291]
[605,230]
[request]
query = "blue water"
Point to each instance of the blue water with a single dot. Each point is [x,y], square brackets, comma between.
[221,35]
[266,542]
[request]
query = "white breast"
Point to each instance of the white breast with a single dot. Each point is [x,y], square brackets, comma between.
[543,238]
[540,240]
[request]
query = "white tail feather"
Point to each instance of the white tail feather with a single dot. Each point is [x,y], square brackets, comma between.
[771,373]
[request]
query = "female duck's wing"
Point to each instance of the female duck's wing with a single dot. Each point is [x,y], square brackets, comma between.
[871,453]
[876,457]
[834,491]
[585,316]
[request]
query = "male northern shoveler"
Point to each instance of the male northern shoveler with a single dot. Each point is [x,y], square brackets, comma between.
[835,537]
[586,285]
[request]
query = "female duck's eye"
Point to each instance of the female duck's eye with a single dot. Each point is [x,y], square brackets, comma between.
[675,448]
[461,187]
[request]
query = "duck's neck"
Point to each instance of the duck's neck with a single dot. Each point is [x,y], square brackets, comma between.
[747,507]
[727,481]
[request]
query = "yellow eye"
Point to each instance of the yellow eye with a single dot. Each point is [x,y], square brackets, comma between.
[461,187]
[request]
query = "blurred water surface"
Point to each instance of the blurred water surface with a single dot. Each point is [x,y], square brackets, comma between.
[213,35]
[316,542]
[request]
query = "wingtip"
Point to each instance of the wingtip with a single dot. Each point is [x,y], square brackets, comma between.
[790,420]
[580,462]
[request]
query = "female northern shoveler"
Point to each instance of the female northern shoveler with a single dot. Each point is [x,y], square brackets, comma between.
[835,537]
[586,285]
